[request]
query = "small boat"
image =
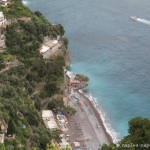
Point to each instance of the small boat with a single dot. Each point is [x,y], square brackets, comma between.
[134,18]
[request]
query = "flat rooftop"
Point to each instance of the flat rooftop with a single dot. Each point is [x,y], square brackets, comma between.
[44,49]
[49,119]
[47,114]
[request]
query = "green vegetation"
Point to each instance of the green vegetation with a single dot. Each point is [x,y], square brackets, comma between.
[16,9]
[55,147]
[138,138]
[57,105]
[2,147]
[82,78]
[2,65]
[5,58]
[29,87]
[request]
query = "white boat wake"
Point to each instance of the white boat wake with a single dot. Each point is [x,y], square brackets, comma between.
[140,20]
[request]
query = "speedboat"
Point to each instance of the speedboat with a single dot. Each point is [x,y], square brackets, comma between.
[134,18]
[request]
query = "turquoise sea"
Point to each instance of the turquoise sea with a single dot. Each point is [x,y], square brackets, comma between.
[110,48]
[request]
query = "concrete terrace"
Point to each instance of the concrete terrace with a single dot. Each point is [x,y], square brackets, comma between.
[49,120]
[52,51]
[50,47]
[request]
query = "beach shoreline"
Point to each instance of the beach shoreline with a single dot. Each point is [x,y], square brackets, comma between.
[92,132]
[97,114]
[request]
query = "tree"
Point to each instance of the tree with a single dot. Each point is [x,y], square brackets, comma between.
[50,147]
[65,40]
[67,148]
[1,59]
[11,127]
[139,134]
[2,65]
[44,139]
[38,13]
[56,147]
[139,130]
[2,147]
[105,147]
[109,147]
[10,147]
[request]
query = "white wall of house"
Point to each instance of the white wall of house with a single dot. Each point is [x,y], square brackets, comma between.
[2,20]
[2,138]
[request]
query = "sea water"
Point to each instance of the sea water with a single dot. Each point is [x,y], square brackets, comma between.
[110,48]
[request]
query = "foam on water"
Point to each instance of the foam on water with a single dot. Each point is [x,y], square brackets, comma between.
[25,2]
[103,116]
[143,21]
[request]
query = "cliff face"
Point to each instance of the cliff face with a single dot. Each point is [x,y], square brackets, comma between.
[67,58]
[27,88]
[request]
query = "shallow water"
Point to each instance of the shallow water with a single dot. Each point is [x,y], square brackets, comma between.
[111,49]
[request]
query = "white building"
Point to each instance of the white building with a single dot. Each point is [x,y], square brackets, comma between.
[2,138]
[44,49]
[3,3]
[48,46]
[2,20]
[49,120]
[73,81]
[53,43]
[71,75]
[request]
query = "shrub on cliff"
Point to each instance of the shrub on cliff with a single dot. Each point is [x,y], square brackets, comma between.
[82,78]
[16,9]
[2,147]
[138,138]
[2,65]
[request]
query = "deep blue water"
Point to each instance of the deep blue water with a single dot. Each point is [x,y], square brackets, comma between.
[110,48]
